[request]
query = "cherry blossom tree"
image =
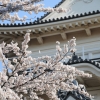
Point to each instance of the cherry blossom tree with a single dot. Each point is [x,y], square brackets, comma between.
[13,6]
[25,78]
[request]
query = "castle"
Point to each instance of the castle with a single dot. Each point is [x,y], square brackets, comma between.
[82,21]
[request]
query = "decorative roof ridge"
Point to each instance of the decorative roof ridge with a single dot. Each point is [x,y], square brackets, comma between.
[80,60]
[63,95]
[37,22]
[77,95]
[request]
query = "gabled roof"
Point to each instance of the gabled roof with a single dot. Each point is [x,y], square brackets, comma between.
[38,21]
[74,7]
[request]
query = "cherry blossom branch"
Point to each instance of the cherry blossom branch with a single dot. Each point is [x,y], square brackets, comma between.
[42,77]
[46,70]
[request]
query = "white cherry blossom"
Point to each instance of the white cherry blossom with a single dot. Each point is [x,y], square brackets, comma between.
[26,77]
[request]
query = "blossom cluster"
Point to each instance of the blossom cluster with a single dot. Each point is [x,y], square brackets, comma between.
[24,77]
[9,6]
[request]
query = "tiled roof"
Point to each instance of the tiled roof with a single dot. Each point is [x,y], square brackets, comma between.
[38,21]
[78,60]
[63,95]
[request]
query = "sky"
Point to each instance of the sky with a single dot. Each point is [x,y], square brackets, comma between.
[47,3]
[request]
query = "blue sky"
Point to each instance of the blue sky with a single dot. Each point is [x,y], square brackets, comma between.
[47,3]
[1,66]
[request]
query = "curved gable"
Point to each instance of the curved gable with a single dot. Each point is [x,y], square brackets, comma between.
[75,7]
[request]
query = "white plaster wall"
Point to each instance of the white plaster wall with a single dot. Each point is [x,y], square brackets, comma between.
[76,7]
[93,48]
[91,45]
